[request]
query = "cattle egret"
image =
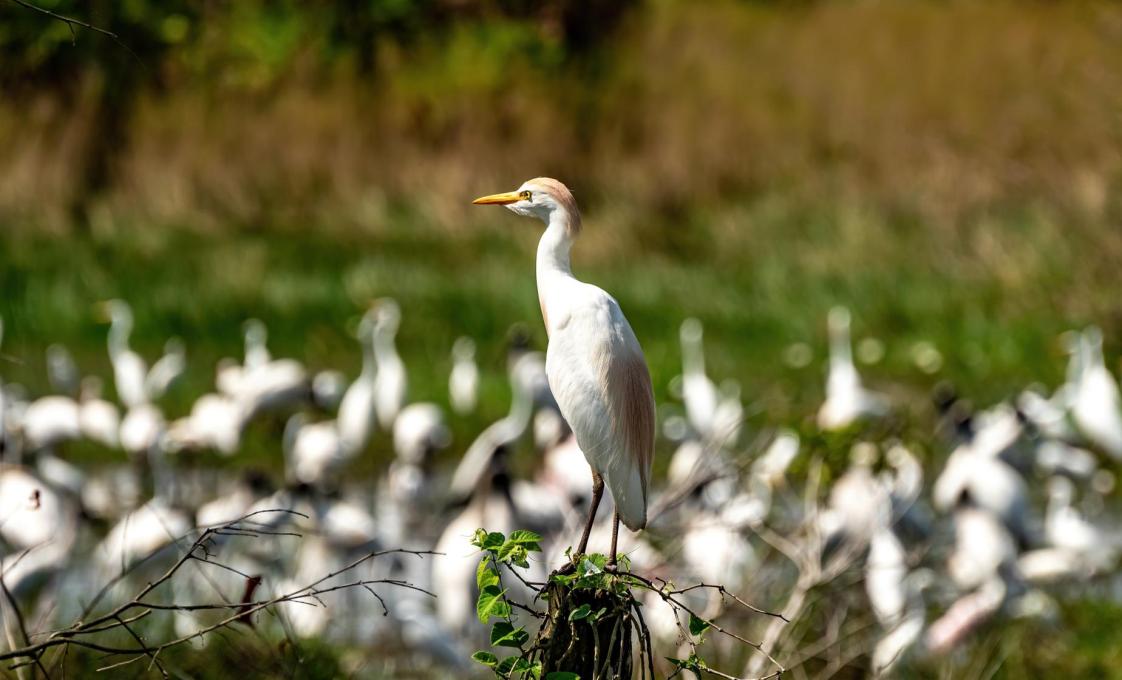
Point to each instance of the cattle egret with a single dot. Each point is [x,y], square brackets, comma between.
[594,363]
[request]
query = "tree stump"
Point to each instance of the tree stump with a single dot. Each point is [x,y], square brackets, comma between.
[587,632]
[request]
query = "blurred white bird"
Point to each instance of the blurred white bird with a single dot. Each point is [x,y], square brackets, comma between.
[390,382]
[896,645]
[314,453]
[129,369]
[463,382]
[167,370]
[62,372]
[982,547]
[38,523]
[1097,407]
[418,432]
[847,400]
[357,412]
[1067,529]
[698,391]
[50,421]
[98,418]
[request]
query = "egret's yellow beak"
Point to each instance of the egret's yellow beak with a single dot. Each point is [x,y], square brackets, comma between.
[499,199]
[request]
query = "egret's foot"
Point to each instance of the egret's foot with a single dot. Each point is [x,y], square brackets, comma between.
[611,567]
[570,567]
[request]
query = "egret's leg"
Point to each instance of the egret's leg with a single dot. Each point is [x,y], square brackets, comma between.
[615,538]
[597,492]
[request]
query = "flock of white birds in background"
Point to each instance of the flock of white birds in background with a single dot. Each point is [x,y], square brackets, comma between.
[998,526]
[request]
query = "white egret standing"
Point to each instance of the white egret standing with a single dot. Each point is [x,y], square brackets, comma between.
[594,363]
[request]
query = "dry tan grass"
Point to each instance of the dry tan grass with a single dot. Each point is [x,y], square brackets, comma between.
[941,109]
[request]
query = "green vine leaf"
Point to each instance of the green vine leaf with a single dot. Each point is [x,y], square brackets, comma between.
[527,539]
[493,541]
[698,626]
[580,612]
[485,658]
[485,575]
[507,665]
[492,602]
[503,634]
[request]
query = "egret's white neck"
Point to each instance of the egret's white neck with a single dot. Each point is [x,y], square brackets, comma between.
[554,247]
[553,259]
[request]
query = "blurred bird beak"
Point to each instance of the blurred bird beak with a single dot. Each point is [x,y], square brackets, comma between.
[498,199]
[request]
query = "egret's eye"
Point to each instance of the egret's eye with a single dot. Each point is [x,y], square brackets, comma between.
[525,195]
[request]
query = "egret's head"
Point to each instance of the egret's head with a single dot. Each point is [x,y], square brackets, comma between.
[542,198]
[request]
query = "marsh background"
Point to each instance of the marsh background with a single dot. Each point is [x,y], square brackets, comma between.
[948,170]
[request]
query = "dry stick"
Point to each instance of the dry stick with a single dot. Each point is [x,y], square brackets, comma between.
[69,636]
[72,22]
[18,616]
[69,21]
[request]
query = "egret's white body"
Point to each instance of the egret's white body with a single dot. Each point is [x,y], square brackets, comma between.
[314,453]
[885,570]
[144,531]
[216,422]
[49,421]
[141,428]
[39,523]
[857,502]
[98,418]
[463,381]
[418,431]
[594,363]
[903,636]
[987,482]
[847,400]
[276,385]
[982,546]
[1067,529]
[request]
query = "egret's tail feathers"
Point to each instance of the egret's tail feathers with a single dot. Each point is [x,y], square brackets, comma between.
[629,495]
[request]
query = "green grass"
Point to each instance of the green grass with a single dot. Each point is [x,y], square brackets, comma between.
[761,275]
